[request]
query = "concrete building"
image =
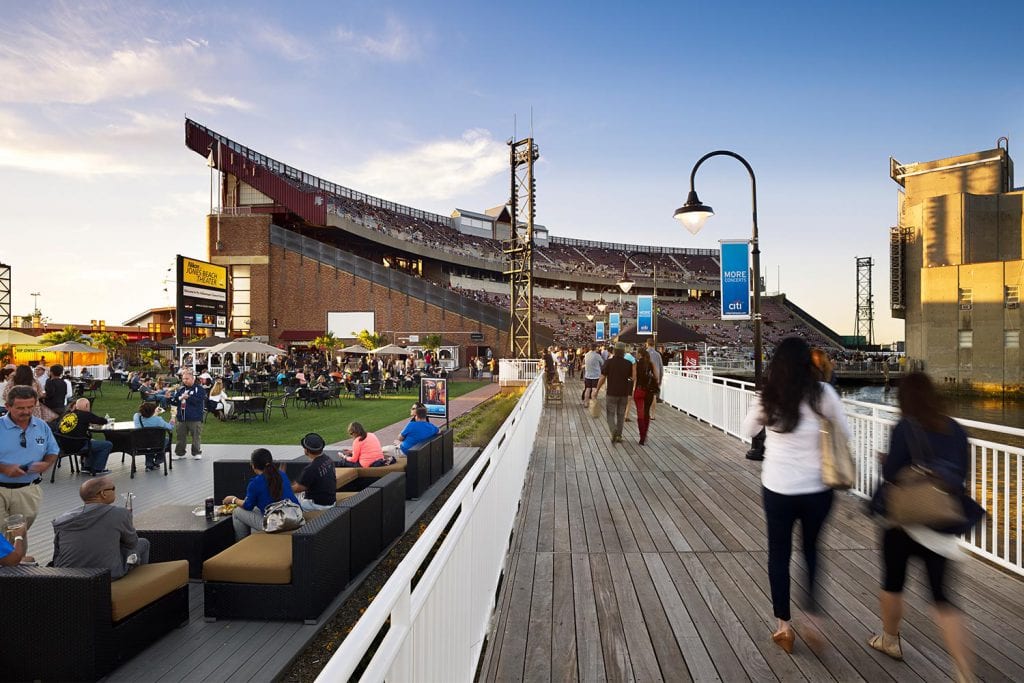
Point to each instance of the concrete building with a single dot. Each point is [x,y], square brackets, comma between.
[956,268]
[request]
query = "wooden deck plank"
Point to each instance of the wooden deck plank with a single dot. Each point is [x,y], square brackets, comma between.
[564,666]
[588,636]
[538,635]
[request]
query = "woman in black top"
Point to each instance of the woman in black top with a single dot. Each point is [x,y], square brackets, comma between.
[644,392]
[925,432]
[55,390]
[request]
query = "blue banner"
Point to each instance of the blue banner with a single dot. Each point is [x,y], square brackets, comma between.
[735,280]
[600,330]
[644,314]
[613,325]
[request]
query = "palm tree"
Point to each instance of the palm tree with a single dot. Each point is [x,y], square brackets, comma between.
[68,334]
[431,342]
[371,340]
[111,342]
[328,343]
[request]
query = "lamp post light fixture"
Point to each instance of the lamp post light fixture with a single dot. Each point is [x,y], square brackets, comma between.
[590,317]
[601,305]
[694,213]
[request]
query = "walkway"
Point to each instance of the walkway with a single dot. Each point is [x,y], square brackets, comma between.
[649,563]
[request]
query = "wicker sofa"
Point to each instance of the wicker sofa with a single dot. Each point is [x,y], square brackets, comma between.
[425,464]
[281,576]
[75,624]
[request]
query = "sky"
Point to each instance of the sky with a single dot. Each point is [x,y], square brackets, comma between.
[414,101]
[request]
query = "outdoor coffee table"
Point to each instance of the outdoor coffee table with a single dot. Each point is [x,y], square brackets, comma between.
[174,533]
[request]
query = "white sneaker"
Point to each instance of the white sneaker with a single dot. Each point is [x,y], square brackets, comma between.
[198,456]
[178,457]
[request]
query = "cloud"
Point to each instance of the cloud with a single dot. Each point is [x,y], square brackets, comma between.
[439,170]
[396,44]
[23,147]
[220,100]
[281,42]
[72,55]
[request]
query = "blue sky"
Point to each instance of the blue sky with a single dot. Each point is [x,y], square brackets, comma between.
[414,101]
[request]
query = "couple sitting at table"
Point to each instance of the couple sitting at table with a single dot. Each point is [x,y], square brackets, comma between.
[366,450]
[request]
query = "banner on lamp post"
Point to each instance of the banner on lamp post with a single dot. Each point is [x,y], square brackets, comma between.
[735,259]
[600,331]
[644,314]
[613,325]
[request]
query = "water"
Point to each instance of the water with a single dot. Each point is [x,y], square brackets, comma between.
[1008,412]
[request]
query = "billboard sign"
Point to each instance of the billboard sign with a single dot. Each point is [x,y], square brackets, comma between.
[434,395]
[613,325]
[644,314]
[202,299]
[600,331]
[735,259]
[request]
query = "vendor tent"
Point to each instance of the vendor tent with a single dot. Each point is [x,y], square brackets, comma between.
[669,332]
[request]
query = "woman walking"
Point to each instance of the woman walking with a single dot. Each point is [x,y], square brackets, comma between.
[789,407]
[924,433]
[645,390]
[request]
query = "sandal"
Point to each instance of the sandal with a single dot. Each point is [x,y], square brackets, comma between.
[785,640]
[894,650]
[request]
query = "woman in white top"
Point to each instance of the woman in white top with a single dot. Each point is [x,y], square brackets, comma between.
[219,401]
[789,407]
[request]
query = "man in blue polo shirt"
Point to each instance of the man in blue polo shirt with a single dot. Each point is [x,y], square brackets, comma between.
[417,431]
[27,450]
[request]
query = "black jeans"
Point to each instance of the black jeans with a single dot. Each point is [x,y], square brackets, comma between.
[782,512]
[897,549]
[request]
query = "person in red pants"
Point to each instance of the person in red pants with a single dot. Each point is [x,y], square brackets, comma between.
[644,392]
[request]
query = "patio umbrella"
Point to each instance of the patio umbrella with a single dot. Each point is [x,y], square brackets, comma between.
[244,346]
[354,349]
[391,350]
[72,348]
[13,338]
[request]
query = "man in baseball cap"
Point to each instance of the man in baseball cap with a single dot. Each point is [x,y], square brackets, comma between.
[317,482]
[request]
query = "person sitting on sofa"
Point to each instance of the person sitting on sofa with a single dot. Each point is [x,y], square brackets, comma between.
[317,482]
[268,485]
[12,552]
[99,534]
[417,431]
[365,449]
[147,417]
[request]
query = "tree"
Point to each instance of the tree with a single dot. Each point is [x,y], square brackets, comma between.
[327,343]
[371,340]
[111,342]
[68,334]
[431,342]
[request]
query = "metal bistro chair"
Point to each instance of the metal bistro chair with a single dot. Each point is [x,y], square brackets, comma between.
[94,387]
[374,388]
[251,408]
[150,441]
[278,402]
[71,448]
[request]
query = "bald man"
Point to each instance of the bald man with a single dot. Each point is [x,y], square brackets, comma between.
[99,534]
[74,424]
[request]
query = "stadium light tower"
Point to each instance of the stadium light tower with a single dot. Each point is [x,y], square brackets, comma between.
[519,248]
[693,214]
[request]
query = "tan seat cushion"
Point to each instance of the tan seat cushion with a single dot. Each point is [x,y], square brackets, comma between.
[344,475]
[145,584]
[344,495]
[259,558]
[378,472]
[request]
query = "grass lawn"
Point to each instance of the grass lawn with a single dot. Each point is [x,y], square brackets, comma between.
[330,422]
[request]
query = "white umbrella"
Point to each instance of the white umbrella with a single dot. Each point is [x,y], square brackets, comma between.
[244,346]
[391,350]
[13,337]
[355,349]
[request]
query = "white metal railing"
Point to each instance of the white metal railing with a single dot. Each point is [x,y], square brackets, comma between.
[995,477]
[516,372]
[435,630]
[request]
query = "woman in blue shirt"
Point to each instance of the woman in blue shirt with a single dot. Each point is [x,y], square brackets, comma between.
[147,417]
[269,485]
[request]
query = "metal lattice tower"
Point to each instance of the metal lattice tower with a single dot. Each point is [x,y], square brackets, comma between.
[865,325]
[5,295]
[519,248]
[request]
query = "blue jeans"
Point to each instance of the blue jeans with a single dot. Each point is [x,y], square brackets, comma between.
[96,459]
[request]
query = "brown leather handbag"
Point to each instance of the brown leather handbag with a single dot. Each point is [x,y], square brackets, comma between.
[837,468]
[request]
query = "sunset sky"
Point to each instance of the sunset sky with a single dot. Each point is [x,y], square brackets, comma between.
[414,102]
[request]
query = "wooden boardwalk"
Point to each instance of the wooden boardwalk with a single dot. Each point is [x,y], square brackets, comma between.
[650,563]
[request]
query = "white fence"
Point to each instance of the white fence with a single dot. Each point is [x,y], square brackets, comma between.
[514,372]
[437,605]
[995,477]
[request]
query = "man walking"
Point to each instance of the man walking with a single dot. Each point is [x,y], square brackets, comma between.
[190,398]
[27,450]
[659,371]
[620,375]
[592,363]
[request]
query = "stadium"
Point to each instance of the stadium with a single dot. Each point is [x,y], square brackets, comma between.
[306,256]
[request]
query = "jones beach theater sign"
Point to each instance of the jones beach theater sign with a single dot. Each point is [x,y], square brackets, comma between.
[202,298]
[735,279]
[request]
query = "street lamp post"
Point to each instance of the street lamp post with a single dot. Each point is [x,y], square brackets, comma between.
[693,214]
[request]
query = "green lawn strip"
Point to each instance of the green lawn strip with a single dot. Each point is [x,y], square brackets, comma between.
[330,422]
[478,426]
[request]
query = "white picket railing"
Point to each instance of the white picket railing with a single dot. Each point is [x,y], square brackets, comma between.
[436,629]
[515,372]
[995,477]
